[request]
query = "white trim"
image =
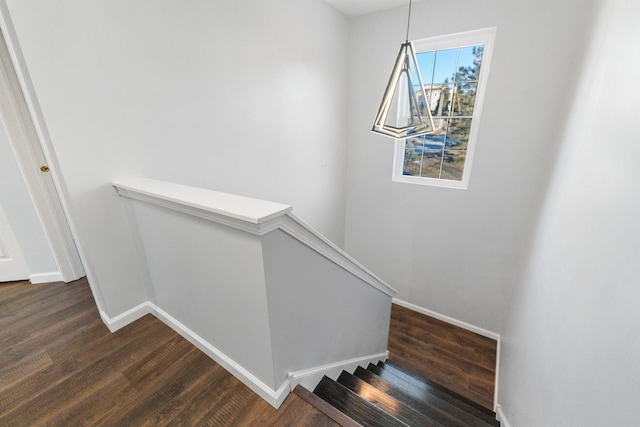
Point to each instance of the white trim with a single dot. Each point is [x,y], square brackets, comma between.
[497,379]
[202,201]
[501,417]
[459,323]
[53,276]
[309,378]
[255,226]
[129,316]
[30,139]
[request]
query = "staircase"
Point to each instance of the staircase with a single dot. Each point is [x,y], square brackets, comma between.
[388,394]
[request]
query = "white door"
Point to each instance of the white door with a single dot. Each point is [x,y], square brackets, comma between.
[13,267]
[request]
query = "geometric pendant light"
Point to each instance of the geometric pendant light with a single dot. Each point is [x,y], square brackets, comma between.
[404,111]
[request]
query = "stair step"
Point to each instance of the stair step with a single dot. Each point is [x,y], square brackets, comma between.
[385,402]
[436,409]
[354,406]
[426,389]
[393,365]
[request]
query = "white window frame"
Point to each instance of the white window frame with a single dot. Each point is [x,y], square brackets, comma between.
[485,37]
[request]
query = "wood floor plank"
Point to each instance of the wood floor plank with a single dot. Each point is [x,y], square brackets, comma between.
[45,321]
[153,394]
[296,412]
[31,386]
[89,410]
[42,299]
[27,366]
[225,411]
[448,355]
[205,398]
[157,362]
[466,345]
[47,398]
[58,336]
[171,412]
[20,294]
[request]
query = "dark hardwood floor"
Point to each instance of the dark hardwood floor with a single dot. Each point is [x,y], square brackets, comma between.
[460,360]
[60,366]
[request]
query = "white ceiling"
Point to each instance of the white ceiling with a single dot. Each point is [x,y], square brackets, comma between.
[360,7]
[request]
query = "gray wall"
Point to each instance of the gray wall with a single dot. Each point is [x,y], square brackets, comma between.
[459,252]
[211,278]
[318,313]
[244,97]
[571,349]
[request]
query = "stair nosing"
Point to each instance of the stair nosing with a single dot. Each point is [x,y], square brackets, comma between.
[325,407]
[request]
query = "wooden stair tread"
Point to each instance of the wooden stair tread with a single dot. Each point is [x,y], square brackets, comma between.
[438,410]
[423,387]
[385,402]
[354,406]
[390,363]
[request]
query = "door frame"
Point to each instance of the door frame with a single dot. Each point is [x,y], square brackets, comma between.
[29,137]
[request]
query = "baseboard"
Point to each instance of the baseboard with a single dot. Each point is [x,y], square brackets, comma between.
[309,378]
[273,397]
[53,276]
[459,323]
[501,417]
[127,317]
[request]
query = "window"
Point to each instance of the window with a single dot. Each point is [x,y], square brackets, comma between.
[454,70]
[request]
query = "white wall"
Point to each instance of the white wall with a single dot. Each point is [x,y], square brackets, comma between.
[318,313]
[571,350]
[458,252]
[244,97]
[21,212]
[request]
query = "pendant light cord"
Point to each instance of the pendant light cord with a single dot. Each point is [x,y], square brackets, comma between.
[408,20]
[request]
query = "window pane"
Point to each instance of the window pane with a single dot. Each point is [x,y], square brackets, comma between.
[425,62]
[457,135]
[469,61]
[453,165]
[412,158]
[464,99]
[431,165]
[445,66]
[439,99]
